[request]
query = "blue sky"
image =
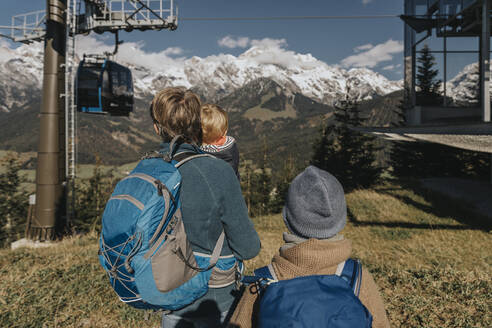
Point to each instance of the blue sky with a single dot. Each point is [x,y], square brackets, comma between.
[373,43]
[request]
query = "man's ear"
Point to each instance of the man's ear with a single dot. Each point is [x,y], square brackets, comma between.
[156,129]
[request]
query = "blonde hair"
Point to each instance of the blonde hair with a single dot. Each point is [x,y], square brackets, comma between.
[176,111]
[214,123]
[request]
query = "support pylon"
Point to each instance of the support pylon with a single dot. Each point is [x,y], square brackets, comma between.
[50,172]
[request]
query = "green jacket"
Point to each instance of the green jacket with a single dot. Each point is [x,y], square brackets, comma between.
[211,200]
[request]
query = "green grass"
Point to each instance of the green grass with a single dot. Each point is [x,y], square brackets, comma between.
[83,171]
[62,286]
[429,255]
[86,171]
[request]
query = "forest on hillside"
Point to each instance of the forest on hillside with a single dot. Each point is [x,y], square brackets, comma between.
[358,160]
[275,152]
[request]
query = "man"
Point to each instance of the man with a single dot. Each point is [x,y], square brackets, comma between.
[211,202]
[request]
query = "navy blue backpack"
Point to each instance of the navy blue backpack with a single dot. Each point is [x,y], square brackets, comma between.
[143,245]
[312,301]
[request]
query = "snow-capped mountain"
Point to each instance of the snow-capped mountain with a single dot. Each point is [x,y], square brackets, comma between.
[218,76]
[214,77]
[464,87]
[277,94]
[21,72]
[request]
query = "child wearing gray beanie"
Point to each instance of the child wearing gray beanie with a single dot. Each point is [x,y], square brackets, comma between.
[315,206]
[315,212]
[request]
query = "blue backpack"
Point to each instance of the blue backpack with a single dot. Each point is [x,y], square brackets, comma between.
[312,301]
[143,245]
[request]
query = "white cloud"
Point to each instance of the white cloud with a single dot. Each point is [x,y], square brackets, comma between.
[6,50]
[389,67]
[261,51]
[363,47]
[365,2]
[91,44]
[268,43]
[379,53]
[243,42]
[269,51]
[230,42]
[132,53]
[173,51]
[4,43]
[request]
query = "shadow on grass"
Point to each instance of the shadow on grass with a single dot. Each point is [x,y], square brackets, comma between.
[437,204]
[409,225]
[206,315]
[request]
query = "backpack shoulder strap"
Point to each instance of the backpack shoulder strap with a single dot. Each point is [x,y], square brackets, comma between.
[265,273]
[351,272]
[186,156]
[181,159]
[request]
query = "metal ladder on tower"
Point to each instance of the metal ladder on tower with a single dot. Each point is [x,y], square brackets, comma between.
[73,8]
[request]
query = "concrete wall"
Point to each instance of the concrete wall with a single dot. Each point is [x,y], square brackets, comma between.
[428,115]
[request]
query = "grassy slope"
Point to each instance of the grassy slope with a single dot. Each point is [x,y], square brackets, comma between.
[433,270]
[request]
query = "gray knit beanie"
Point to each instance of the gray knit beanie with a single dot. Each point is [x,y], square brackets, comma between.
[315,206]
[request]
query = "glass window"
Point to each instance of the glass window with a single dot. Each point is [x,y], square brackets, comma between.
[450,7]
[467,3]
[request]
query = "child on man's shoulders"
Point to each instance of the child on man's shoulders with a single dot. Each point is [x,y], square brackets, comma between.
[215,138]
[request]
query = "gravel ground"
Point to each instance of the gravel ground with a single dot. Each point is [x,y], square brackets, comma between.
[482,143]
[476,137]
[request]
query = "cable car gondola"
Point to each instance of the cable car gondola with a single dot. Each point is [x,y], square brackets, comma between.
[104,87]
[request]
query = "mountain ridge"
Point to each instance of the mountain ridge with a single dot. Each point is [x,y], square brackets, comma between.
[272,102]
[213,77]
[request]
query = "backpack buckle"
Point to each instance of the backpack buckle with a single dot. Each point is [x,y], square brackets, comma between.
[259,285]
[113,272]
[167,158]
[159,187]
[237,277]
[254,288]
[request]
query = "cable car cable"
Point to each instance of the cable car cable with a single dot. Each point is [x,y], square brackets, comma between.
[285,18]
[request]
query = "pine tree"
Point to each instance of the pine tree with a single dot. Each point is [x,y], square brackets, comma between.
[246,185]
[427,82]
[257,196]
[13,202]
[347,154]
[257,187]
[406,157]
[287,174]
[263,187]
[323,148]
[92,198]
